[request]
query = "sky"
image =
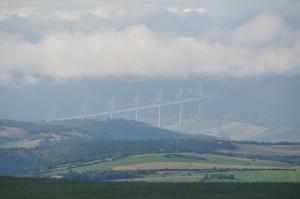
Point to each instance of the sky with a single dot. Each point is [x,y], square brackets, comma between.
[63,41]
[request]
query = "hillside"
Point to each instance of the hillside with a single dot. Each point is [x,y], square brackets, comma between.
[231,129]
[34,147]
[120,149]
[282,133]
[31,134]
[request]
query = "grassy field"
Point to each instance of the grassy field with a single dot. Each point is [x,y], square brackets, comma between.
[193,167]
[239,176]
[174,161]
[233,130]
[279,150]
[20,143]
[184,165]
[194,126]
[268,176]
[10,144]
[262,176]
[177,177]
[167,176]
[239,130]
[27,188]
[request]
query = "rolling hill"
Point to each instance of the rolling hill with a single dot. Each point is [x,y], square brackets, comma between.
[36,146]
[118,149]
[31,134]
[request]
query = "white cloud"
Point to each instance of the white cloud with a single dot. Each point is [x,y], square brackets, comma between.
[66,15]
[187,10]
[69,43]
[100,12]
[61,11]
[263,29]
[22,12]
[138,51]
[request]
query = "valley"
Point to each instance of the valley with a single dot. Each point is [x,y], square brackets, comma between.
[120,150]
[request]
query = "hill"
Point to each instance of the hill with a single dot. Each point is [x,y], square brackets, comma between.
[118,149]
[31,134]
[231,129]
[35,147]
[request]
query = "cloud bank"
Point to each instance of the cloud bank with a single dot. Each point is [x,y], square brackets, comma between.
[262,44]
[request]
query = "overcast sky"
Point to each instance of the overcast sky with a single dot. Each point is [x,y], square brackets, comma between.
[60,40]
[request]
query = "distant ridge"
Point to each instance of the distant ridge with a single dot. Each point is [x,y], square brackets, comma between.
[106,129]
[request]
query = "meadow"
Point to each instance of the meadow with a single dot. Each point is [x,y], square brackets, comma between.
[187,167]
[213,176]
[175,161]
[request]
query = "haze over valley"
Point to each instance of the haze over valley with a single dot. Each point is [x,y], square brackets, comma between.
[153,99]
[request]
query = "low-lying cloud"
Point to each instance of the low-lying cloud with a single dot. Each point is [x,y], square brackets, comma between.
[263,44]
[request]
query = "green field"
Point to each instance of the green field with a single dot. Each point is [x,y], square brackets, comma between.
[191,167]
[11,144]
[133,159]
[274,149]
[239,176]
[206,160]
[28,188]
[268,176]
